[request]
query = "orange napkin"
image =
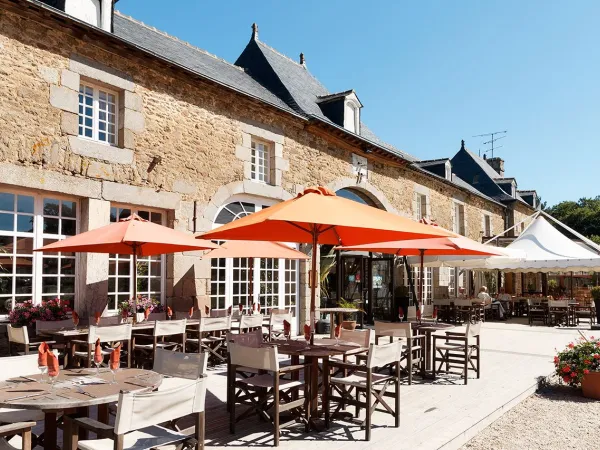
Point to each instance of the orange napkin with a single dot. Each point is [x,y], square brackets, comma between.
[75,318]
[434,315]
[418,314]
[146,313]
[125,314]
[287,327]
[400,311]
[115,357]
[258,307]
[307,332]
[43,350]
[169,311]
[338,331]
[191,313]
[97,318]
[98,358]
[229,310]
[52,365]
[207,310]
[241,308]
[253,308]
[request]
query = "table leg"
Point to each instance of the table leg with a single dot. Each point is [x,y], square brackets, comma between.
[103,413]
[326,390]
[83,411]
[314,386]
[427,351]
[50,433]
[331,326]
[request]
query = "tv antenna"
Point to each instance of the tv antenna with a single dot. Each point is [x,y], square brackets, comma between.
[492,141]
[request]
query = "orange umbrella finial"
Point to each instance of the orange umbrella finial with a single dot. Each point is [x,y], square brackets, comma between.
[321,190]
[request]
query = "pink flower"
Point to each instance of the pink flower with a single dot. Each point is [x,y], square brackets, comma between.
[566,379]
[571,345]
[573,375]
[586,371]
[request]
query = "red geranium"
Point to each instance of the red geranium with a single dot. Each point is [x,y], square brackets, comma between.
[571,345]
[577,360]
[587,362]
[586,371]
[566,379]
[566,369]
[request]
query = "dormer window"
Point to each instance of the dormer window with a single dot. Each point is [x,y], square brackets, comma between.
[342,109]
[352,116]
[448,170]
[95,12]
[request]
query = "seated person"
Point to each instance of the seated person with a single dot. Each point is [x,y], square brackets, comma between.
[487,301]
[503,296]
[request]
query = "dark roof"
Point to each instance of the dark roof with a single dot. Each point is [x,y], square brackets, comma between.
[192,58]
[432,162]
[325,98]
[295,85]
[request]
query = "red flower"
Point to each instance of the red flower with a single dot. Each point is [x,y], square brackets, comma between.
[573,375]
[556,360]
[571,345]
[592,337]
[566,379]
[596,356]
[566,369]
[585,371]
[587,362]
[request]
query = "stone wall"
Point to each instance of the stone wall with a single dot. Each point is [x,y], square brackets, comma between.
[182,145]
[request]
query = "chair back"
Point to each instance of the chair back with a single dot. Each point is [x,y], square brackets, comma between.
[277,318]
[380,355]
[251,321]
[180,365]
[395,329]
[208,324]
[169,327]
[155,316]
[138,410]
[218,313]
[428,311]
[261,358]
[250,339]
[473,329]
[110,334]
[43,325]
[558,303]
[360,337]
[441,302]
[463,302]
[105,321]
[18,335]
[16,366]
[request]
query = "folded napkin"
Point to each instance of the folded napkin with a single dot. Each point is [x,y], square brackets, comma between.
[97,318]
[98,358]
[43,350]
[53,368]
[146,313]
[75,318]
[169,312]
[418,313]
[115,357]
[191,312]
[400,311]
[207,310]
[229,310]
[241,307]
[435,311]
[287,328]
[307,332]
[258,307]
[338,331]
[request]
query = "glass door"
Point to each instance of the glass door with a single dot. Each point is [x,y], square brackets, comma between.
[381,289]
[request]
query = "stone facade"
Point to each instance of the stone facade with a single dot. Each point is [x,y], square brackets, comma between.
[183,147]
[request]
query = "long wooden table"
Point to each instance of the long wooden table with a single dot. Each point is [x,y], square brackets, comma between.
[74,391]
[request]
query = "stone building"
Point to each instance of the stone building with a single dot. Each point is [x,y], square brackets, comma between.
[102,116]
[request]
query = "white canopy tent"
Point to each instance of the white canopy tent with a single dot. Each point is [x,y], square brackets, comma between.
[540,248]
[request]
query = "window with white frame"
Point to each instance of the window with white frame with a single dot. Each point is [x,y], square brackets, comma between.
[458,218]
[421,206]
[487,225]
[150,269]
[98,113]
[452,282]
[29,221]
[275,281]
[260,163]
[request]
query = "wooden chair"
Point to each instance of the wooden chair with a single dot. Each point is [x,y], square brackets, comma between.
[107,335]
[269,395]
[276,319]
[458,350]
[146,352]
[413,351]
[371,380]
[252,339]
[558,312]
[251,322]
[178,368]
[139,415]
[211,337]
[107,321]
[536,311]
[19,337]
[585,312]
[22,429]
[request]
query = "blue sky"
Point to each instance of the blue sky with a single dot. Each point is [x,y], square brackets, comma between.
[432,73]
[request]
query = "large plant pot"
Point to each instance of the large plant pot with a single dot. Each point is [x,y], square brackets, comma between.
[590,385]
[349,325]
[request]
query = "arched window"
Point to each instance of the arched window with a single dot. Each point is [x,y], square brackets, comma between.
[275,281]
[357,196]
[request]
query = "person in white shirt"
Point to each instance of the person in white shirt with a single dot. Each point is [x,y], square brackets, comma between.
[487,301]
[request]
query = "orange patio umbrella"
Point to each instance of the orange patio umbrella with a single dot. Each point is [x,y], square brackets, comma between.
[254,249]
[457,245]
[130,236]
[318,216]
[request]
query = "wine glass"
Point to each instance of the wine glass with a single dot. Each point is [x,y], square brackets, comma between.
[287,334]
[44,370]
[97,364]
[52,376]
[114,374]
[307,339]
[401,316]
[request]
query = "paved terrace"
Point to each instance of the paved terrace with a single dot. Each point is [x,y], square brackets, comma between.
[441,414]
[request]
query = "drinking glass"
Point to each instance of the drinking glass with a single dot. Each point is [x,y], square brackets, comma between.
[52,379]
[44,370]
[307,339]
[401,317]
[114,375]
[97,364]
[287,334]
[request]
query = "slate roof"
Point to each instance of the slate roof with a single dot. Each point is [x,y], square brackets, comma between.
[432,162]
[180,52]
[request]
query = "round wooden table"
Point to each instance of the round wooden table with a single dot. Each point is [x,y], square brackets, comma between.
[428,329]
[74,391]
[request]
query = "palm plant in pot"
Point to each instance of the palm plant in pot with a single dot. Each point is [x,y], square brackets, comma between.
[579,365]
[349,322]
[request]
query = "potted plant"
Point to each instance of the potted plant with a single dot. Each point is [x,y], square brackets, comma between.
[131,306]
[26,313]
[579,365]
[595,293]
[349,319]
[553,287]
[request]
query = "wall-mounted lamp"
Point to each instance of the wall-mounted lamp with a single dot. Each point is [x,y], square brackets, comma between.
[155,161]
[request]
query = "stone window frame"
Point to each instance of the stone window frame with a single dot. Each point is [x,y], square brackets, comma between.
[455,203]
[278,164]
[487,216]
[97,88]
[257,163]
[419,193]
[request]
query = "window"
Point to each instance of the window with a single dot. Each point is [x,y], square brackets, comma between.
[452,282]
[260,162]
[448,171]
[350,117]
[427,283]
[487,225]
[275,281]
[150,276]
[29,221]
[97,114]
[458,217]
[421,206]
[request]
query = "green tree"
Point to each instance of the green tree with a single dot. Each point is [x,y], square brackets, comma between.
[582,215]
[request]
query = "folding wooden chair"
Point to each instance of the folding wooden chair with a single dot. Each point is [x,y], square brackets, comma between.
[138,418]
[107,335]
[178,368]
[252,339]
[458,350]
[269,394]
[145,353]
[19,337]
[558,312]
[371,380]
[251,322]
[276,319]
[413,348]
[536,311]
[22,429]
[211,337]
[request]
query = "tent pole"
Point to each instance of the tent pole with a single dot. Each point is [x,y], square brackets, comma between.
[572,298]
[313,283]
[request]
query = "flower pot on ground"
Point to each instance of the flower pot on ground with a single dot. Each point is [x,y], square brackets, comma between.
[590,385]
[349,325]
[579,364]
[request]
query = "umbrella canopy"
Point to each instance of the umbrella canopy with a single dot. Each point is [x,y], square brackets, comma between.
[255,249]
[318,216]
[131,236]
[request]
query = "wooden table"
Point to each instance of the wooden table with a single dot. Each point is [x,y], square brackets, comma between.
[340,312]
[71,395]
[428,329]
[322,349]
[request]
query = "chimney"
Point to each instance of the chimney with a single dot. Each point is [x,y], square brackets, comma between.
[254,32]
[497,164]
[302,60]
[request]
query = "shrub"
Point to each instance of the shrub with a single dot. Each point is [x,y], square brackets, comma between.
[577,360]
[142,303]
[26,313]
[595,292]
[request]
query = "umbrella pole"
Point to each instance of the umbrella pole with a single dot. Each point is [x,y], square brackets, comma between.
[251,287]
[422,280]
[134,283]
[313,283]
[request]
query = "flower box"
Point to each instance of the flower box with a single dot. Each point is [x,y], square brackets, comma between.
[590,385]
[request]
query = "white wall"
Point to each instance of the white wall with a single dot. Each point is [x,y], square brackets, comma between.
[86,10]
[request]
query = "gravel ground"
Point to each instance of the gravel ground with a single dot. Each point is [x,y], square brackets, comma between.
[555,418]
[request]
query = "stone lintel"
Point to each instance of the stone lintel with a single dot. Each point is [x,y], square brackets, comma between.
[98,150]
[142,196]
